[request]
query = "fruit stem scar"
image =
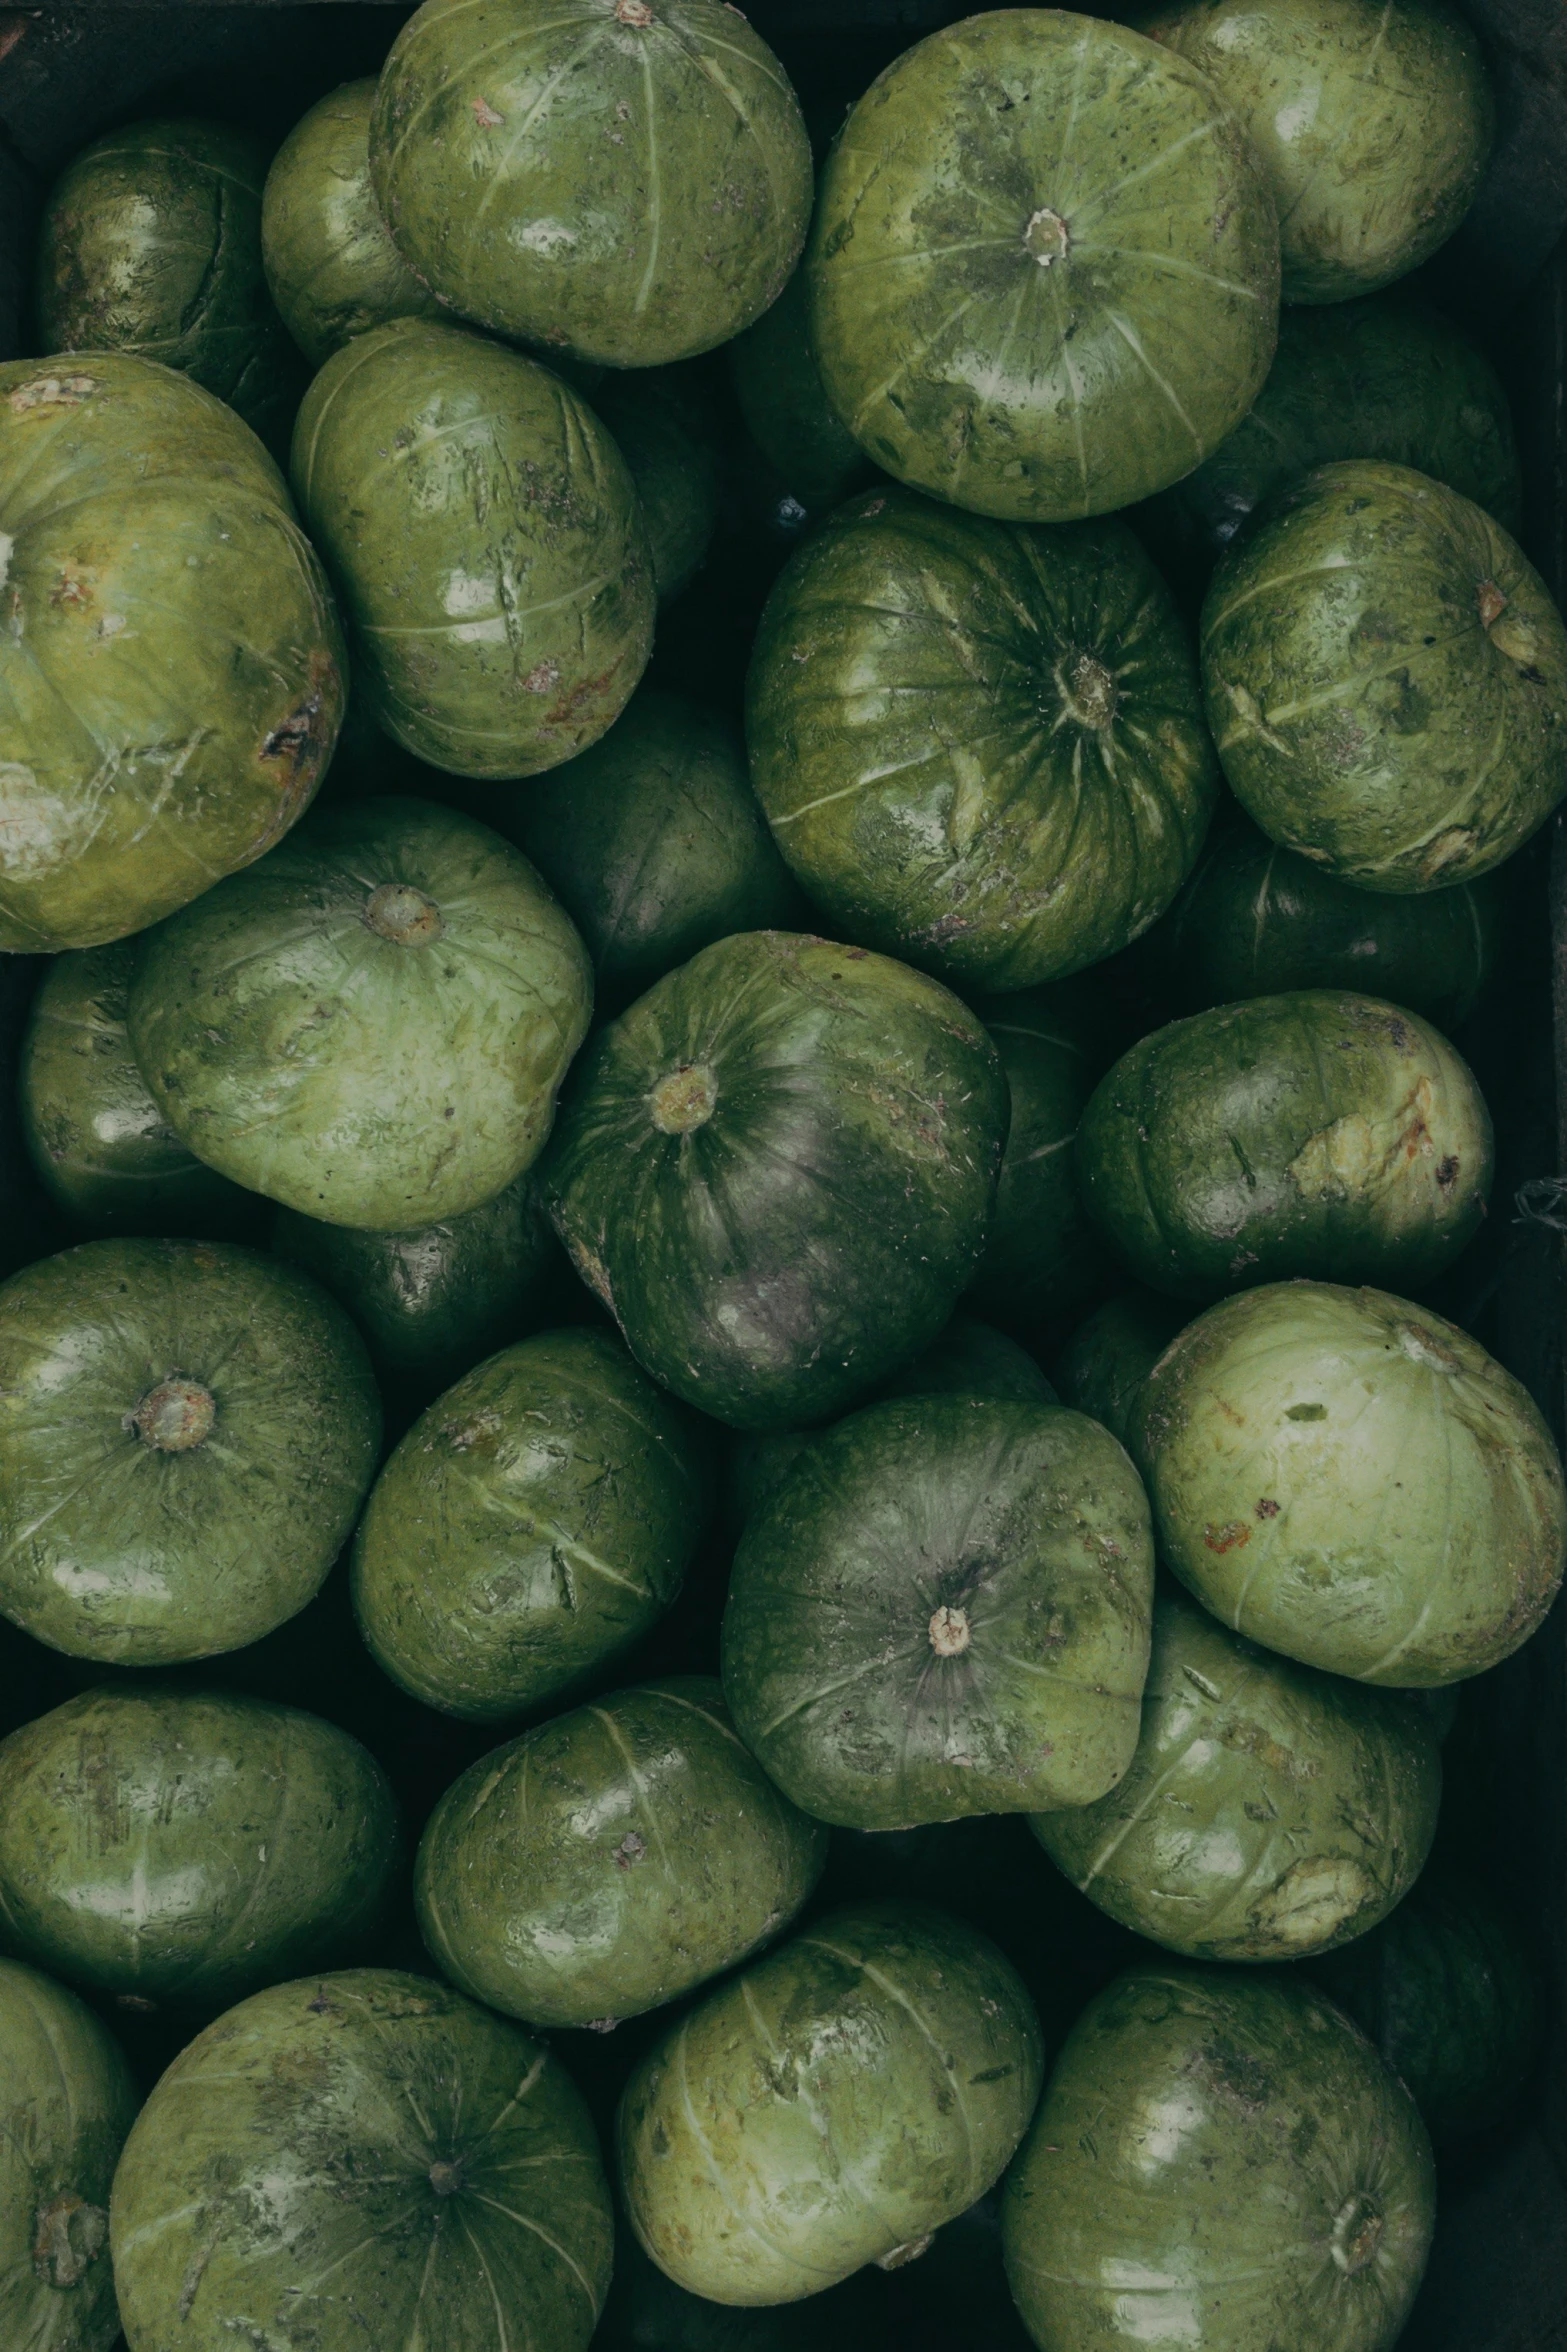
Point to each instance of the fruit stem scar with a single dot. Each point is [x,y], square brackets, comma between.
[1087,690]
[445,2179]
[949,1632]
[396,911]
[174,1417]
[1357,2232]
[1046,237]
[684,1099]
[633,12]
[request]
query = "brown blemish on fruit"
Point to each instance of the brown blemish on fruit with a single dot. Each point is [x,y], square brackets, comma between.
[635,13]
[51,392]
[1447,1173]
[1492,603]
[67,2234]
[485,115]
[402,914]
[175,1417]
[543,678]
[1228,1538]
[1267,1508]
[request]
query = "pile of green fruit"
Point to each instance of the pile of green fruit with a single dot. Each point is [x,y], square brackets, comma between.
[593,1751]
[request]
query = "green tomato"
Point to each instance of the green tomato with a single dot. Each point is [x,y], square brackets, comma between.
[1111,1354]
[777,381]
[1042,1257]
[666,427]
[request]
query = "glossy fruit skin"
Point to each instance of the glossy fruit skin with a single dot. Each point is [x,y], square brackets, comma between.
[165,612]
[1402,722]
[190,1847]
[530,1527]
[1354,1482]
[979,745]
[66,2104]
[1111,1354]
[989,215]
[1294,2203]
[1318,1134]
[879,1095]
[1270,1812]
[833,2105]
[1042,1256]
[658,210]
[1372,126]
[666,426]
[370,1027]
[118,1548]
[942,1609]
[500,494]
[354,2120]
[777,381]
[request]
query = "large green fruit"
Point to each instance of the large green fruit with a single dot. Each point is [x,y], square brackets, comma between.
[1353,1481]
[666,426]
[1386,679]
[1373,125]
[186,1434]
[374,2135]
[629,182]
[611,1860]
[171,672]
[1112,1352]
[66,2104]
[370,1026]
[189,1847]
[1320,1134]
[1044,268]
[1269,1812]
[535,1522]
[1042,1257]
[1220,2161]
[944,1609]
[831,2107]
[777,381]
[979,745]
[489,546]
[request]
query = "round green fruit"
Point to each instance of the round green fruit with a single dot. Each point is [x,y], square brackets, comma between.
[1042,1257]
[372,2130]
[171,672]
[776,1171]
[1222,2161]
[371,1026]
[486,536]
[980,745]
[187,1431]
[778,384]
[1386,678]
[1044,268]
[832,2106]
[1354,1482]
[666,427]
[1111,1354]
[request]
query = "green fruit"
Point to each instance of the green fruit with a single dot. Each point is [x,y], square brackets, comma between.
[1044,267]
[778,384]
[1372,125]
[629,182]
[979,745]
[611,1860]
[1220,2161]
[489,547]
[1111,1354]
[66,2104]
[1320,1134]
[190,1846]
[372,1025]
[186,1434]
[666,427]
[943,1609]
[775,1170]
[535,1522]
[1269,1811]
[1350,1480]
[1401,717]
[376,2131]
[831,2107]
[647,2312]
[171,672]
[151,245]
[1042,1257]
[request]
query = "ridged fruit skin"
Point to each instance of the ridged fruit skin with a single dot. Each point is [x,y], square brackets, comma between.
[189,1847]
[1042,1256]
[777,381]
[980,745]
[116,1549]
[830,2107]
[771,1055]
[1293,2202]
[612,1859]
[943,1608]
[629,183]
[1318,1133]
[531,1526]
[1044,267]
[486,539]
[667,427]
[167,625]
[1270,1811]
[372,1026]
[1386,679]
[1111,1354]
[67,2102]
[1351,1480]
[375,2126]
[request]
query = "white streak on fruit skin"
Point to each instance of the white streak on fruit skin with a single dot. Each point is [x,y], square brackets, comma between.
[7,543]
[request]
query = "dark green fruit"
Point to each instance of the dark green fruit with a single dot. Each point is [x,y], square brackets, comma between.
[776,1169]
[189,1847]
[666,427]
[778,384]
[186,1434]
[1111,1354]
[1042,1257]
[979,745]
[374,2130]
